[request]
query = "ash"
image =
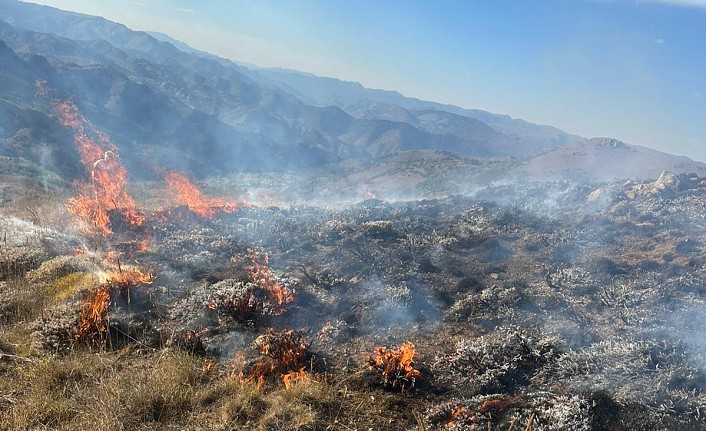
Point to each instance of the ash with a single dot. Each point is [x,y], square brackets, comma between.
[544,305]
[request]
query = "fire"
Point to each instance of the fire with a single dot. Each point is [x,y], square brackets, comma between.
[456,413]
[281,352]
[124,277]
[128,277]
[107,188]
[395,365]
[260,274]
[188,194]
[293,378]
[94,308]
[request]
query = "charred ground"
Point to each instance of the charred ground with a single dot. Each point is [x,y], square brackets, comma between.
[531,306]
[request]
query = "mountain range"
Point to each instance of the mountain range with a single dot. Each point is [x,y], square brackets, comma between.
[168,106]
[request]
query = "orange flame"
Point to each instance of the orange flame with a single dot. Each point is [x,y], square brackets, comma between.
[94,309]
[128,277]
[188,194]
[395,365]
[456,413]
[293,378]
[260,274]
[107,188]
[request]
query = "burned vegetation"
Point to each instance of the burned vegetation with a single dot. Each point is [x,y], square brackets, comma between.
[547,306]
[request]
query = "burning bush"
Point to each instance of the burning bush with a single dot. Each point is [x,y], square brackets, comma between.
[107,188]
[395,366]
[240,301]
[282,353]
[256,265]
[288,349]
[93,322]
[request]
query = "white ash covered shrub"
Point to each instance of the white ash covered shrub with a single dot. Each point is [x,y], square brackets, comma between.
[653,373]
[23,246]
[243,302]
[498,362]
[16,260]
[199,249]
[545,412]
[221,304]
[492,304]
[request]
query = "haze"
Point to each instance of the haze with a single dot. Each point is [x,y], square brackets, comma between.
[632,70]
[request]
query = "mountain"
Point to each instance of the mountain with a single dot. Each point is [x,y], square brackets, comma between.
[603,159]
[522,139]
[168,106]
[255,85]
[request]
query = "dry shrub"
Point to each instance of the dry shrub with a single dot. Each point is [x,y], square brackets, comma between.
[70,284]
[158,392]
[235,402]
[19,301]
[15,261]
[54,269]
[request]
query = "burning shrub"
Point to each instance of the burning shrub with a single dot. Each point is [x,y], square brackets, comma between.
[243,302]
[288,349]
[107,189]
[282,353]
[186,193]
[395,366]
[93,322]
[256,264]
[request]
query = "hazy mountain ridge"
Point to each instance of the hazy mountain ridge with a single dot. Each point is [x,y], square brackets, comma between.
[138,100]
[602,159]
[177,107]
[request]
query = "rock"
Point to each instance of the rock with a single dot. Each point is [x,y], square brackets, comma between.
[666,181]
[596,195]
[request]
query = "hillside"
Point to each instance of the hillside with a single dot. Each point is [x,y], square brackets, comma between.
[156,100]
[604,159]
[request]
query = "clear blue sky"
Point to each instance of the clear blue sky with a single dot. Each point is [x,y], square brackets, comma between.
[629,69]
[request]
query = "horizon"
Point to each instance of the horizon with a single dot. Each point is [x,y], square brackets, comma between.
[630,70]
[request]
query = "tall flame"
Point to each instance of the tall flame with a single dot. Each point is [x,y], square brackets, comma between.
[94,308]
[188,194]
[107,188]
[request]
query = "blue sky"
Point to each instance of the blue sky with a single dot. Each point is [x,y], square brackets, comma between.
[633,70]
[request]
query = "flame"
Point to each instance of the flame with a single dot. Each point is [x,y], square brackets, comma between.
[395,365]
[128,277]
[94,309]
[260,274]
[107,188]
[455,414]
[188,194]
[122,276]
[255,376]
[293,378]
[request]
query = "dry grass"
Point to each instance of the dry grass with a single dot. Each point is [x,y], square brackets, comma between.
[159,390]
